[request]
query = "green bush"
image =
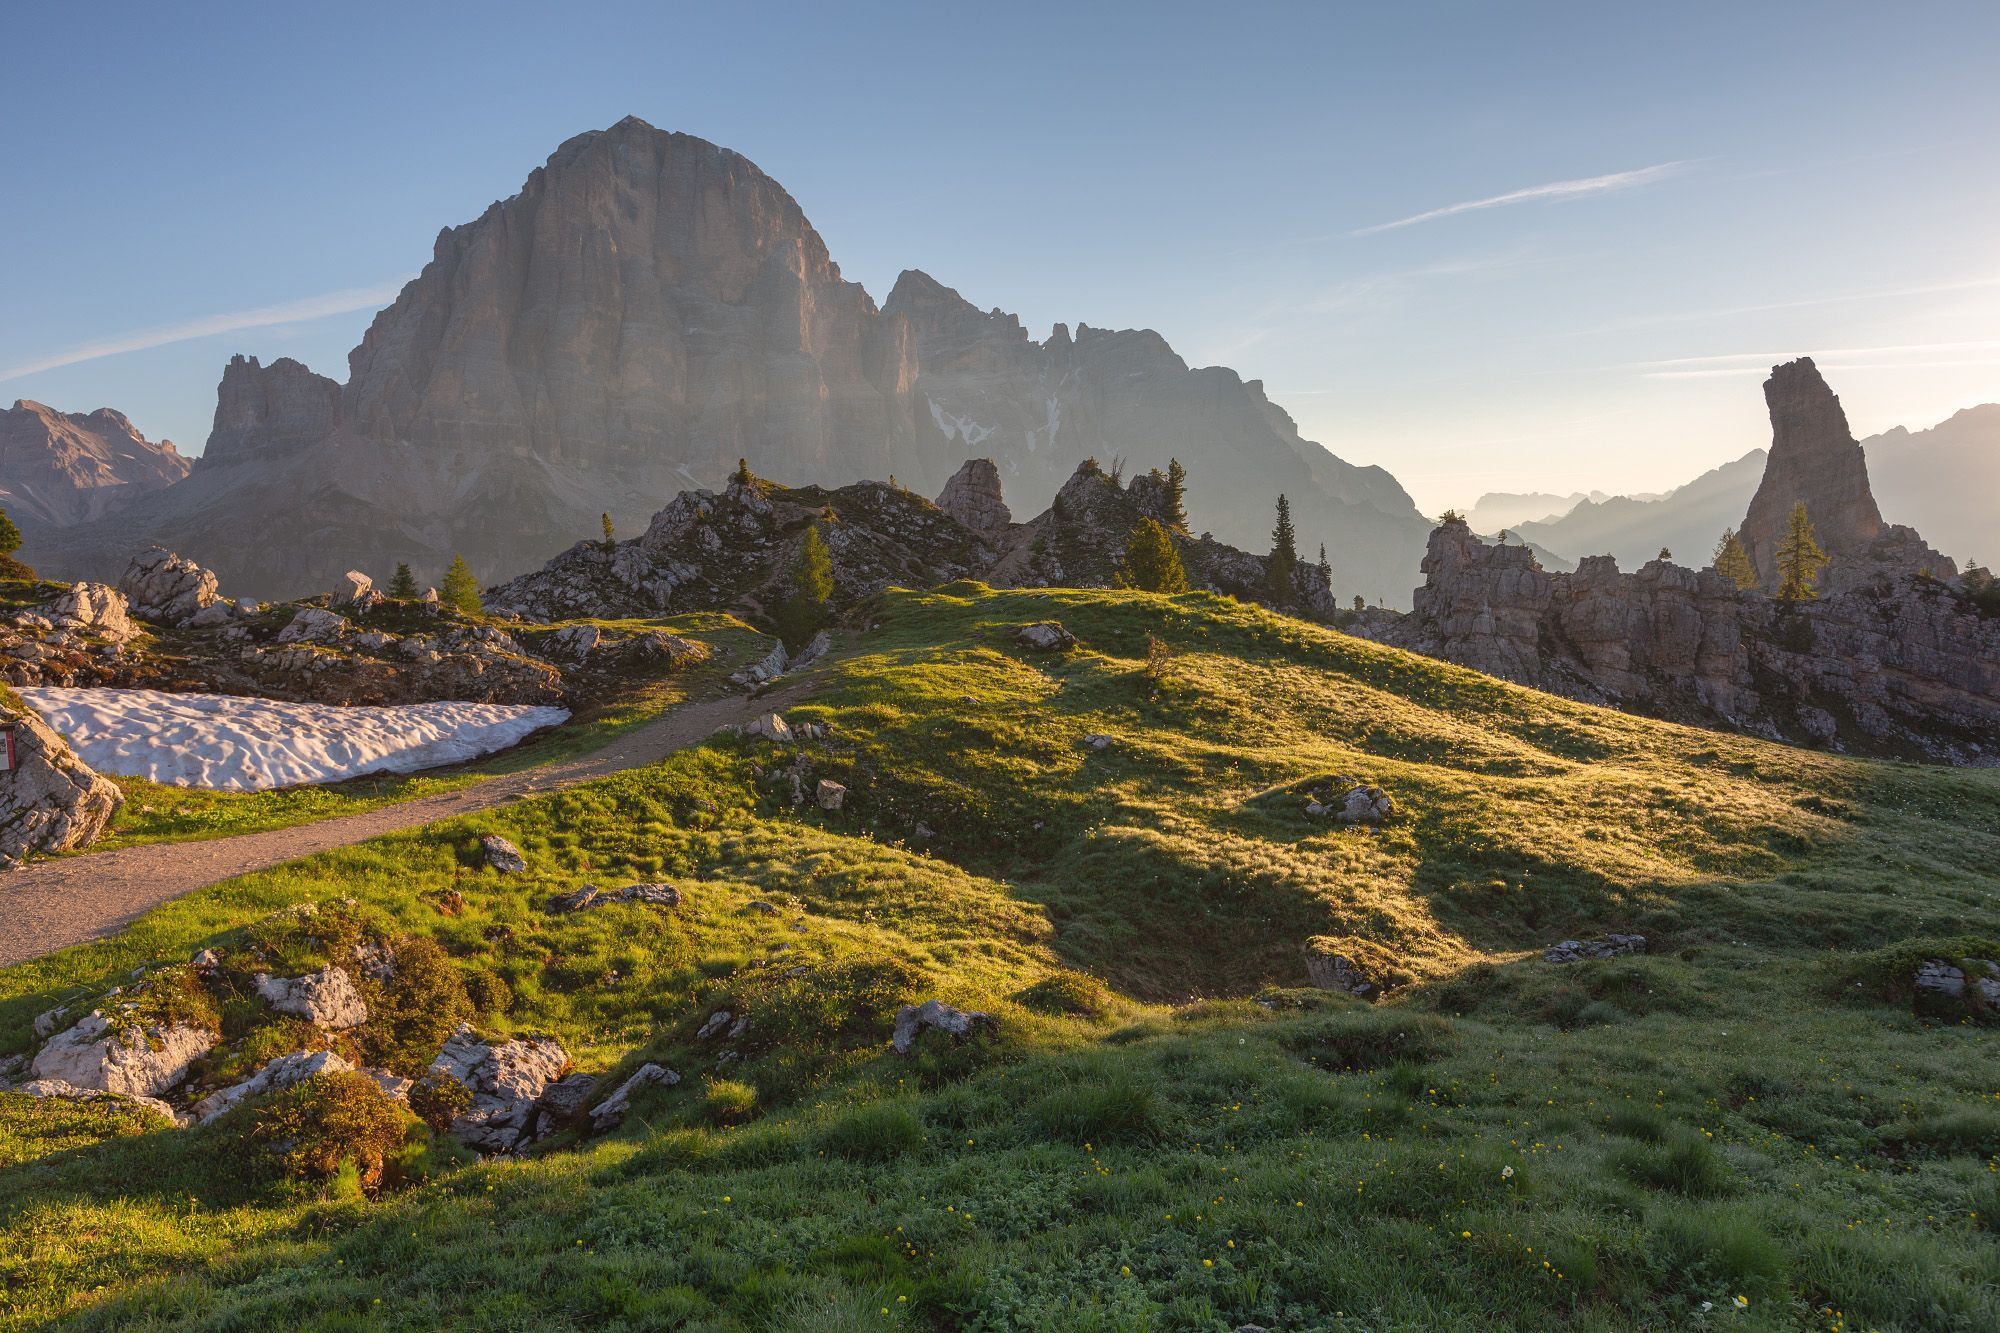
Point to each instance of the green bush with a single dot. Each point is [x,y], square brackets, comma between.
[416,1009]
[437,1098]
[329,1123]
[874,1133]
[727,1101]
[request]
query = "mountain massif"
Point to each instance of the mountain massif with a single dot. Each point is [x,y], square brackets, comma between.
[649,309]
[62,468]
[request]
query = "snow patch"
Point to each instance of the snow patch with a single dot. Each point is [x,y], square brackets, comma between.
[227,743]
[965,428]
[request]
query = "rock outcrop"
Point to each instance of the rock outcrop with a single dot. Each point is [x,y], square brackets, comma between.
[167,588]
[973,497]
[506,1081]
[117,1053]
[651,307]
[1816,460]
[62,468]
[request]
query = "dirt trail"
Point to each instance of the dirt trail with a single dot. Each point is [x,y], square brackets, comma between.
[53,904]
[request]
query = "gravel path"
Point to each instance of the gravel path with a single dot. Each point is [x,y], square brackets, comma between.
[53,904]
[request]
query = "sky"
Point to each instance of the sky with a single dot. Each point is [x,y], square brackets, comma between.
[1519,247]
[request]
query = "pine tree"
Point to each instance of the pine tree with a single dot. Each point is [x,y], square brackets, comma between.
[1799,557]
[460,591]
[804,611]
[403,584]
[1325,568]
[1176,495]
[1664,554]
[10,542]
[1733,562]
[1360,602]
[610,538]
[1152,563]
[1284,561]
[744,476]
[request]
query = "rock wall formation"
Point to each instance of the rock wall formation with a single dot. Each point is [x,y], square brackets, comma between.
[646,311]
[64,468]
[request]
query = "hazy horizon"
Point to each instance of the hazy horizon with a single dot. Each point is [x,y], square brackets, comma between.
[1531,264]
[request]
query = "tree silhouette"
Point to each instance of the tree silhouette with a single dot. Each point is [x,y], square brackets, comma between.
[1152,564]
[1284,561]
[1176,495]
[403,584]
[804,611]
[460,591]
[1800,558]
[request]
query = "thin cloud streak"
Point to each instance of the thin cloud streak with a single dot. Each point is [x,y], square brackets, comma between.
[1570,189]
[1842,368]
[1897,349]
[341,302]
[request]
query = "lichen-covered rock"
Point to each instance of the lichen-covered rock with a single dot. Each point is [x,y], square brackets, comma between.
[610,1113]
[829,795]
[771,727]
[326,998]
[587,896]
[165,587]
[114,1053]
[55,1087]
[1046,636]
[501,855]
[912,1019]
[93,608]
[1333,971]
[505,1082]
[52,801]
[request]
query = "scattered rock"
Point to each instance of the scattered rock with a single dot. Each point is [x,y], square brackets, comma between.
[771,727]
[1046,636]
[566,1097]
[326,998]
[1097,741]
[1938,978]
[501,855]
[1611,946]
[52,801]
[282,1072]
[829,795]
[911,1019]
[352,587]
[717,1021]
[506,1082]
[1365,805]
[760,906]
[116,1055]
[610,1113]
[588,896]
[314,624]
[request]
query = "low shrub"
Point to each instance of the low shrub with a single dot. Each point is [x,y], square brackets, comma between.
[411,1014]
[330,1123]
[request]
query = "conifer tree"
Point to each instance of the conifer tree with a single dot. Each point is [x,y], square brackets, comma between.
[1284,561]
[1152,563]
[1800,558]
[1325,568]
[460,591]
[610,538]
[1733,562]
[1664,554]
[403,584]
[804,611]
[10,542]
[744,476]
[1176,495]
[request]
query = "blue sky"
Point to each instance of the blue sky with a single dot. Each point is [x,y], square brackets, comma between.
[1669,197]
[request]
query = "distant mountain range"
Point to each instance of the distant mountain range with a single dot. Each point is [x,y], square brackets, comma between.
[61,468]
[1941,481]
[646,311]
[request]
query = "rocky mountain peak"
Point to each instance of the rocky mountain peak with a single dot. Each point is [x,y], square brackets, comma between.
[974,497]
[60,468]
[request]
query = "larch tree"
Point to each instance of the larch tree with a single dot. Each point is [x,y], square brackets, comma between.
[1733,562]
[1800,558]
[1152,563]
[460,590]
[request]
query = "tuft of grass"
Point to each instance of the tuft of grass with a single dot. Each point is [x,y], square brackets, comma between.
[876,1132]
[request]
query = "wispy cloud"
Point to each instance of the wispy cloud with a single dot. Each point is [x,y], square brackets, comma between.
[1891,356]
[1803,303]
[207,326]
[1570,189]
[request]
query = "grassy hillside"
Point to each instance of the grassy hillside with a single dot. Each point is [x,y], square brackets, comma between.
[1747,1127]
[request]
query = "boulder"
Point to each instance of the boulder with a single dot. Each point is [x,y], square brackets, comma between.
[506,1082]
[52,801]
[1364,805]
[326,998]
[314,625]
[1936,977]
[282,1072]
[501,855]
[829,795]
[775,664]
[93,608]
[164,587]
[1046,636]
[912,1019]
[212,615]
[610,1113]
[1610,946]
[587,896]
[717,1021]
[352,587]
[1332,971]
[771,727]
[114,1054]
[566,1097]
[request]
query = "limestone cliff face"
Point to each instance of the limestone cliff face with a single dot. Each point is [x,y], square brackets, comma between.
[1908,667]
[62,468]
[646,311]
[1815,458]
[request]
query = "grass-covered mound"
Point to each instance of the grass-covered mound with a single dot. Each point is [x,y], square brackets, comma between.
[1747,1126]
